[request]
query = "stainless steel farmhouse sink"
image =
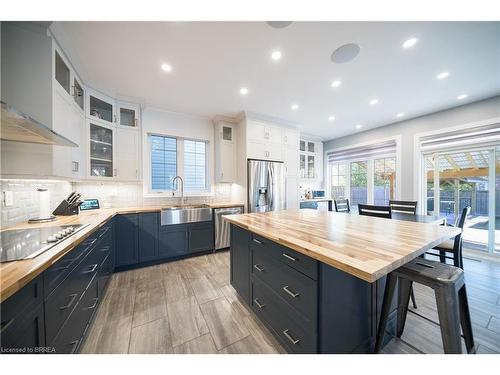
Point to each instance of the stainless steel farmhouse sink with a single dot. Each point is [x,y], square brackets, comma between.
[185,214]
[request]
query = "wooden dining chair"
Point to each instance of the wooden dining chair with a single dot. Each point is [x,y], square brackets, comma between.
[377,211]
[405,207]
[452,246]
[342,205]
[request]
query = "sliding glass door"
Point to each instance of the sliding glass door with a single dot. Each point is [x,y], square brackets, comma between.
[359,183]
[456,179]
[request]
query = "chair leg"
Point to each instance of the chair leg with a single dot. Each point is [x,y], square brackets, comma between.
[465,320]
[413,300]
[405,290]
[449,319]
[442,256]
[390,285]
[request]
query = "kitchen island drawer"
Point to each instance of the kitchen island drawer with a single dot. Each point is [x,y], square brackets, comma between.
[302,263]
[295,337]
[298,290]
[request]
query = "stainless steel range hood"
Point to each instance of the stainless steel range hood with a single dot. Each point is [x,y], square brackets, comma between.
[19,127]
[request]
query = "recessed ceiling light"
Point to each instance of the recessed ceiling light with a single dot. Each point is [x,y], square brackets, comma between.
[359,126]
[166,67]
[373,101]
[400,114]
[443,75]
[331,118]
[243,91]
[276,55]
[462,96]
[294,107]
[336,83]
[409,43]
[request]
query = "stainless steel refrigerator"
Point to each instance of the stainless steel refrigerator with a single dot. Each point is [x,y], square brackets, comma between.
[266,186]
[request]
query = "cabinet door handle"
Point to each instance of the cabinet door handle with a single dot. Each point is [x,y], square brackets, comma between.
[91,269]
[256,266]
[135,122]
[286,139]
[94,305]
[289,257]
[290,338]
[105,248]
[72,299]
[259,305]
[5,324]
[115,119]
[257,241]
[293,294]
[73,346]
[114,172]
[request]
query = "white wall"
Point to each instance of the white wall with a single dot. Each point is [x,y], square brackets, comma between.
[157,121]
[469,113]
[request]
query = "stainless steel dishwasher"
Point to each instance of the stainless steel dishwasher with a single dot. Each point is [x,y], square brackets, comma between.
[221,227]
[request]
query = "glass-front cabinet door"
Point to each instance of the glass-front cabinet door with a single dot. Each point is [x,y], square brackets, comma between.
[100,108]
[127,115]
[101,151]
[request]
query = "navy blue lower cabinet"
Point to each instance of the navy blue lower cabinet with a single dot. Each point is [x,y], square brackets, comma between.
[310,307]
[240,261]
[173,241]
[148,236]
[200,236]
[23,320]
[126,240]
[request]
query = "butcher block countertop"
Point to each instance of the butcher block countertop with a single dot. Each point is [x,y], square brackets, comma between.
[363,246]
[16,274]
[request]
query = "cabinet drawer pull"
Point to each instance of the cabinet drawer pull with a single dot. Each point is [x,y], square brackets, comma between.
[105,248]
[257,241]
[290,338]
[5,324]
[73,345]
[290,257]
[93,306]
[73,297]
[260,306]
[256,266]
[91,269]
[294,295]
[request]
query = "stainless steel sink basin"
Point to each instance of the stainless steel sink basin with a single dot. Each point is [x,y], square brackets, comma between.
[185,214]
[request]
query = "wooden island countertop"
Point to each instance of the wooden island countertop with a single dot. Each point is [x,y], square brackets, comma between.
[16,274]
[366,247]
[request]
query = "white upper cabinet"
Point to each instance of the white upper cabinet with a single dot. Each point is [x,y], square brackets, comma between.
[225,152]
[100,108]
[66,82]
[127,115]
[127,151]
[261,132]
[311,160]
[69,122]
[291,138]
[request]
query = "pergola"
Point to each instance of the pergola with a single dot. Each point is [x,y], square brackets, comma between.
[471,167]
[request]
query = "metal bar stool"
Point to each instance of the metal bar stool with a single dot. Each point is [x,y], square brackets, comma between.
[451,298]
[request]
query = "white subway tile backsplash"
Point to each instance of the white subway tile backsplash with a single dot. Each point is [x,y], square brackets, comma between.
[110,194]
[26,198]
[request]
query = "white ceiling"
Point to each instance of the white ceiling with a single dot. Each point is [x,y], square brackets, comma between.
[212,60]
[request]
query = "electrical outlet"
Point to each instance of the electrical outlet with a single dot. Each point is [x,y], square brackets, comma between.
[8,198]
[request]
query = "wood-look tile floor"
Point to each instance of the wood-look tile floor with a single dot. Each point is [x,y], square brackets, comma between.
[188,306]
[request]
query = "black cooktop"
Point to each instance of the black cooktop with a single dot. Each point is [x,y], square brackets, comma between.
[30,242]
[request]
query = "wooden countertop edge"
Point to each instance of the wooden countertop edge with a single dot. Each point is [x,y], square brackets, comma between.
[10,288]
[368,277]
